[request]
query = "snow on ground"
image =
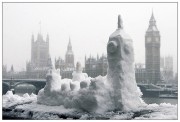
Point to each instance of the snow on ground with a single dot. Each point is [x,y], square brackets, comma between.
[162,111]
[9,99]
[39,111]
[44,108]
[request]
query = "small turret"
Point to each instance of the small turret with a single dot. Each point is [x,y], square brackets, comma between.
[50,62]
[97,57]
[32,38]
[47,38]
[12,68]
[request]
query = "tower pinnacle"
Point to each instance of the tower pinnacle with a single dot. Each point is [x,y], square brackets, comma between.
[152,23]
[152,20]
[40,27]
[69,45]
[119,22]
[32,38]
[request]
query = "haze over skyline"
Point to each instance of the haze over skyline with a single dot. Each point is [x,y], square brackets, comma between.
[89,26]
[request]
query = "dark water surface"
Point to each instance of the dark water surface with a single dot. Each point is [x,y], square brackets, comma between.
[160,100]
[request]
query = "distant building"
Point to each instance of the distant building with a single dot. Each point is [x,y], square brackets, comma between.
[4,71]
[167,70]
[96,66]
[60,63]
[169,63]
[152,52]
[162,63]
[69,58]
[140,73]
[40,59]
[66,67]
[39,51]
[12,74]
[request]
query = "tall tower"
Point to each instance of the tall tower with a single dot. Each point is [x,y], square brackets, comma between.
[152,45]
[69,58]
[39,51]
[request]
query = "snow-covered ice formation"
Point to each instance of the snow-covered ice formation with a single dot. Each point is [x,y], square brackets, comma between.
[84,93]
[121,74]
[10,99]
[116,91]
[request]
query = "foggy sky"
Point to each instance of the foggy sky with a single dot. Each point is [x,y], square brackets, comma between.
[89,26]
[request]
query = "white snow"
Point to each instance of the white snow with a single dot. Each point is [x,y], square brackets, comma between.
[44,108]
[89,94]
[78,75]
[162,111]
[9,99]
[159,111]
[126,95]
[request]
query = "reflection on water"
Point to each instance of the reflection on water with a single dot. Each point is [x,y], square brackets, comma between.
[25,88]
[28,88]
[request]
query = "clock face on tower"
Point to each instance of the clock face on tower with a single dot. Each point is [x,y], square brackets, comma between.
[157,39]
[148,39]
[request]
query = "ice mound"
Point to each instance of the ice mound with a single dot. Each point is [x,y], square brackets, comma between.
[86,94]
[9,99]
[90,95]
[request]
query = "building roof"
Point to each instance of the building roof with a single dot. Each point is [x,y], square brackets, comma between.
[152,24]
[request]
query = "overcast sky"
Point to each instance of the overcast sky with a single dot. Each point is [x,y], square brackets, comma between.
[89,26]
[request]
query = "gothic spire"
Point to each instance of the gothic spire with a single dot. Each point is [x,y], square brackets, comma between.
[69,45]
[152,24]
[47,38]
[152,20]
[12,68]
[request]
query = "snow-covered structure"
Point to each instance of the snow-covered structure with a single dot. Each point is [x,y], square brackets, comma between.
[121,74]
[116,91]
[78,75]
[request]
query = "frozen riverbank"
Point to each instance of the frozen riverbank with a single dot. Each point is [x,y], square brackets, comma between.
[25,107]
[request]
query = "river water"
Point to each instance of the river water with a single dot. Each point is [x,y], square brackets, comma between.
[27,88]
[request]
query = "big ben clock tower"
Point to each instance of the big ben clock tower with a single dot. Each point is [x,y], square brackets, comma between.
[152,45]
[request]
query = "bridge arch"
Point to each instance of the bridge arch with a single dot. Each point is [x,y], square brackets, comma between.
[23,87]
[37,84]
[5,87]
[11,84]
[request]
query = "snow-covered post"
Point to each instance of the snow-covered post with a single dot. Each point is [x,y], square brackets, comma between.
[121,74]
